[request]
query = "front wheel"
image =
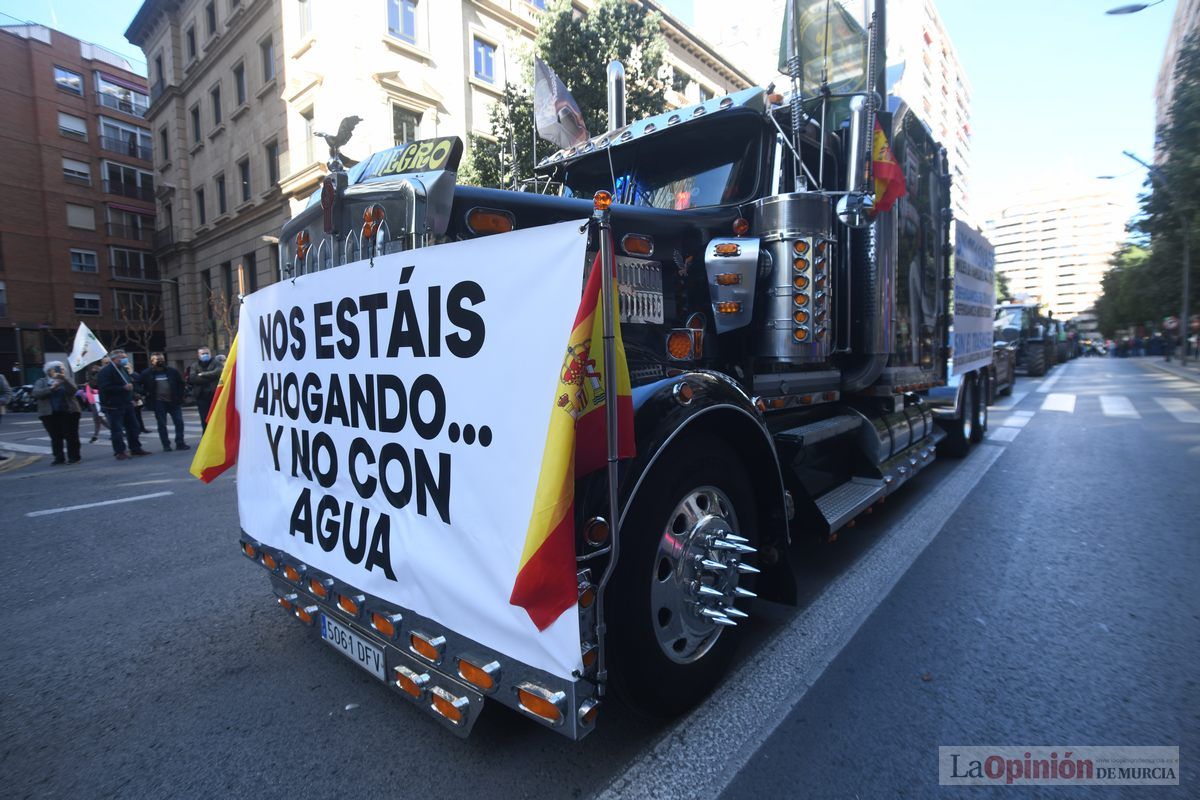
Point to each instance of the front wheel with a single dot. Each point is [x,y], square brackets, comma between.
[683,581]
[980,413]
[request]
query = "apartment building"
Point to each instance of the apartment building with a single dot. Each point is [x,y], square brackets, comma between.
[1055,244]
[240,88]
[1185,23]
[923,68]
[78,214]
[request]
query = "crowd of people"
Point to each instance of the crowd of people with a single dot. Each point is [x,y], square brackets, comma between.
[115,395]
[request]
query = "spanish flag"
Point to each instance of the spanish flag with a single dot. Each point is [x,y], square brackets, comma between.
[576,444]
[218,448]
[889,176]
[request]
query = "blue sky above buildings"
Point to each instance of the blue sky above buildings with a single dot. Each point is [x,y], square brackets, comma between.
[1059,89]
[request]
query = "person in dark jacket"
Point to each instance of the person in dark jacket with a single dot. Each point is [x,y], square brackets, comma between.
[162,386]
[116,398]
[59,411]
[204,376]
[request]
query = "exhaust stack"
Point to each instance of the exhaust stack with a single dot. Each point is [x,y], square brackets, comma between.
[616,95]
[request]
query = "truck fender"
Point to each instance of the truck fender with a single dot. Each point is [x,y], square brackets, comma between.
[720,407]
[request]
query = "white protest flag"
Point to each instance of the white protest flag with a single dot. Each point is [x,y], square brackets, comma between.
[87,349]
[555,111]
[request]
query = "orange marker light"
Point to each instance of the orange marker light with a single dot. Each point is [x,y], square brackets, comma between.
[729,307]
[637,245]
[385,623]
[727,249]
[800,334]
[410,682]
[801,282]
[602,200]
[741,226]
[291,573]
[679,345]
[800,264]
[487,220]
[729,278]
[482,678]
[349,604]
[540,702]
[319,589]
[801,247]
[303,242]
[268,561]
[451,707]
[800,299]
[248,549]
[428,648]
[800,317]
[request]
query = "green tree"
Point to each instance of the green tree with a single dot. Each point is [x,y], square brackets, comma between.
[1003,290]
[1125,288]
[578,48]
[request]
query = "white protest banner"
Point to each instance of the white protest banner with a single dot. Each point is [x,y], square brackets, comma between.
[393,419]
[974,299]
[87,349]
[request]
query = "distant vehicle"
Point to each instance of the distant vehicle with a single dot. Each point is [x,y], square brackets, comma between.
[1023,326]
[1004,368]
[23,399]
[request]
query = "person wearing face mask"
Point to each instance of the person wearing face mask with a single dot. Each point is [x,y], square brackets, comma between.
[204,376]
[59,411]
[116,398]
[162,387]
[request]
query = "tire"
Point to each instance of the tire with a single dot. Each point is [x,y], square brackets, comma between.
[980,420]
[960,432]
[664,657]
[1036,362]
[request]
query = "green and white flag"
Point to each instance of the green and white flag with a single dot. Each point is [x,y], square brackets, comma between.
[87,349]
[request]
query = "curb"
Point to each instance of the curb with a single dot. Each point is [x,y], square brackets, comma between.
[1187,373]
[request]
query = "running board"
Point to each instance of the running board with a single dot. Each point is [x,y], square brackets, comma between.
[814,432]
[847,501]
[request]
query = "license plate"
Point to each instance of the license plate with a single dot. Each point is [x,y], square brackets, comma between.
[353,646]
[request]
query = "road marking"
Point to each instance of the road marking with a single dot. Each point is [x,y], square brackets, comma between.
[97,505]
[1181,410]
[27,422]
[1118,406]
[1056,401]
[25,448]
[148,483]
[1016,421]
[1049,382]
[1012,400]
[701,754]
[1002,434]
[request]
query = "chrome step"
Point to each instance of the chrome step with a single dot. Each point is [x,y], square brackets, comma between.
[815,432]
[847,501]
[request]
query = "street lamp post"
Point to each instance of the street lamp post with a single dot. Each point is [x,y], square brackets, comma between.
[1186,225]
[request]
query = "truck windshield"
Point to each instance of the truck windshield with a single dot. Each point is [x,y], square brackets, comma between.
[707,165]
[1011,319]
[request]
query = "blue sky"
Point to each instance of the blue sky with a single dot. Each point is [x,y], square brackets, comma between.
[1059,88]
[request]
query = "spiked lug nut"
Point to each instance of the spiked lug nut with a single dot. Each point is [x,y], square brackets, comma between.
[721,544]
[708,563]
[707,591]
[717,617]
[746,569]
[745,548]
[740,592]
[733,537]
[735,613]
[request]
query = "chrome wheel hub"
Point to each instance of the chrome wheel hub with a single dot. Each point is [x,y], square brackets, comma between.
[694,584]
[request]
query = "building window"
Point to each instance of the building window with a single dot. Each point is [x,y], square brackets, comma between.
[250,272]
[77,171]
[220,185]
[244,178]
[130,140]
[210,18]
[129,305]
[160,76]
[178,303]
[402,19]
[272,153]
[125,99]
[267,48]
[215,95]
[304,9]
[130,224]
[705,94]
[201,214]
[75,127]
[83,261]
[485,60]
[163,140]
[307,117]
[196,135]
[128,181]
[87,304]
[81,217]
[405,124]
[191,42]
[239,83]
[68,81]
[3,300]
[133,265]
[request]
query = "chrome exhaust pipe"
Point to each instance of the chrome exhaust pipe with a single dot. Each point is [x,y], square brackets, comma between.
[616,96]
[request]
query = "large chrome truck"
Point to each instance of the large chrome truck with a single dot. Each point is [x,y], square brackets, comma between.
[780,338]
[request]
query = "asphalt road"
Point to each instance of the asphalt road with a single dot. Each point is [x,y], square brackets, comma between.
[1042,589]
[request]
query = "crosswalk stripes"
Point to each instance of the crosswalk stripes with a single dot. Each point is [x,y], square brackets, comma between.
[1118,406]
[1180,409]
[1059,401]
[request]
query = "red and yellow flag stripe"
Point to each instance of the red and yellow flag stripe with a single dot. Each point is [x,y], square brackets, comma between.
[889,175]
[576,444]
[218,448]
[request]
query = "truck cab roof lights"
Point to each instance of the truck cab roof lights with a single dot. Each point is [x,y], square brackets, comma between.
[386,624]
[411,683]
[602,200]
[485,221]
[430,648]
[484,677]
[447,705]
[542,703]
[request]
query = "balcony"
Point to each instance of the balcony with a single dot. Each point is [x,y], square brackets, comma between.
[126,189]
[141,233]
[157,89]
[163,237]
[126,147]
[124,106]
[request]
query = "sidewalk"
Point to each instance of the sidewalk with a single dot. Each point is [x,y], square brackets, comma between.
[1190,372]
